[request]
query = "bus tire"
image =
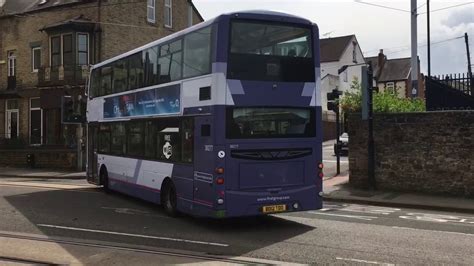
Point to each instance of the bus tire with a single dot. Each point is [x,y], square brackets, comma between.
[104,179]
[169,198]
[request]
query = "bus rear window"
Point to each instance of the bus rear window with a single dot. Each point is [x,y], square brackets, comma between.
[270,52]
[272,122]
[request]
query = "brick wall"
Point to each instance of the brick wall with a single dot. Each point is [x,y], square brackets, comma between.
[430,152]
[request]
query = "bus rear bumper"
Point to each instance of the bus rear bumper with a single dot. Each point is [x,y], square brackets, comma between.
[239,203]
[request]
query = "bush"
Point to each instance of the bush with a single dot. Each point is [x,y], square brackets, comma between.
[383,102]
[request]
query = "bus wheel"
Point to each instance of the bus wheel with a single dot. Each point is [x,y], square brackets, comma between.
[104,179]
[169,199]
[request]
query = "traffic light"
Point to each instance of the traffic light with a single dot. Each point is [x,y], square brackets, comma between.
[72,111]
[333,100]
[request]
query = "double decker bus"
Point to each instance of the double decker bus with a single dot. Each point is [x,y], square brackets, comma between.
[222,119]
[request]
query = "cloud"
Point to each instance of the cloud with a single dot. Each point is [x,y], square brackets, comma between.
[461,17]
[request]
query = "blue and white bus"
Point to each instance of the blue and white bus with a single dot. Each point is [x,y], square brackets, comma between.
[222,119]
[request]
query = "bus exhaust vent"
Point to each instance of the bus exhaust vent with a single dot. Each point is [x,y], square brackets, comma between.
[275,154]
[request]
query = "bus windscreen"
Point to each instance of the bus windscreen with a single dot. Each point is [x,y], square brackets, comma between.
[270,52]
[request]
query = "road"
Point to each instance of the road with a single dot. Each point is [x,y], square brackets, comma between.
[68,221]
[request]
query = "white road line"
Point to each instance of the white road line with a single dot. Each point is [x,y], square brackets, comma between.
[431,231]
[134,235]
[365,261]
[360,217]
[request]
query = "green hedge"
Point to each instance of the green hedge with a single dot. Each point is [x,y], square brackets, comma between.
[384,102]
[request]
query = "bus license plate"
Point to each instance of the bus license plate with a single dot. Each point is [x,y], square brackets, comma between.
[274,208]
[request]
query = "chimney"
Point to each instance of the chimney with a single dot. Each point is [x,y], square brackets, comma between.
[380,63]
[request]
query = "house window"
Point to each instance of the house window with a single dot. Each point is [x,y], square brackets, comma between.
[68,58]
[354,54]
[390,87]
[168,14]
[56,51]
[82,49]
[151,11]
[35,59]
[11,63]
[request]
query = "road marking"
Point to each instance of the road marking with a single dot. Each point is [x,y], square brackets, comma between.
[365,261]
[134,235]
[369,209]
[439,218]
[360,217]
[431,231]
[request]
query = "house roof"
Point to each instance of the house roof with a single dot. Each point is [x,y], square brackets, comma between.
[13,7]
[80,22]
[333,48]
[395,69]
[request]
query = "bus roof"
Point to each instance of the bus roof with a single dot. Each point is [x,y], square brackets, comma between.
[256,14]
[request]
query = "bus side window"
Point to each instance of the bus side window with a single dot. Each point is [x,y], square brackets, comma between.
[135,139]
[150,140]
[118,139]
[106,80]
[104,139]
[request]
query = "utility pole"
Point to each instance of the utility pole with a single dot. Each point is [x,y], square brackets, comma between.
[428,30]
[414,51]
[469,70]
[370,148]
[338,142]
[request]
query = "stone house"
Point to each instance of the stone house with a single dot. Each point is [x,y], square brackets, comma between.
[46,48]
[394,75]
[336,53]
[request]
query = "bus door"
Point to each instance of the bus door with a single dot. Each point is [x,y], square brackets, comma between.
[92,171]
[204,162]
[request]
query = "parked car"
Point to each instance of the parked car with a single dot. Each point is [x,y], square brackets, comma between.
[343,144]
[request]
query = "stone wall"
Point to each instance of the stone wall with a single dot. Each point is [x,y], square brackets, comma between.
[430,152]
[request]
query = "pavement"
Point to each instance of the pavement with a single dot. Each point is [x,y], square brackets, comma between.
[335,189]
[40,173]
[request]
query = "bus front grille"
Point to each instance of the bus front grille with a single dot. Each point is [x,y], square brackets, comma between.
[271,154]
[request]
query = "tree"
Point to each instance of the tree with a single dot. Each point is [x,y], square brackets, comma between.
[384,102]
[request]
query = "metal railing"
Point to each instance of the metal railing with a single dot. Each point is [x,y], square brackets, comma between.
[462,82]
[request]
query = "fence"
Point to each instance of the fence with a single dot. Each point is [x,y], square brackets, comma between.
[461,81]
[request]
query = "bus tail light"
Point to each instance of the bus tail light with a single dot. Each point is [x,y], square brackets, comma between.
[220,170]
[321,174]
[320,166]
[220,181]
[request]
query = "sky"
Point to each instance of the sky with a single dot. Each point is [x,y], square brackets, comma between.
[378,28]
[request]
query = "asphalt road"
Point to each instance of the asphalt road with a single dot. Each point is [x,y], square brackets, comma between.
[67,221]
